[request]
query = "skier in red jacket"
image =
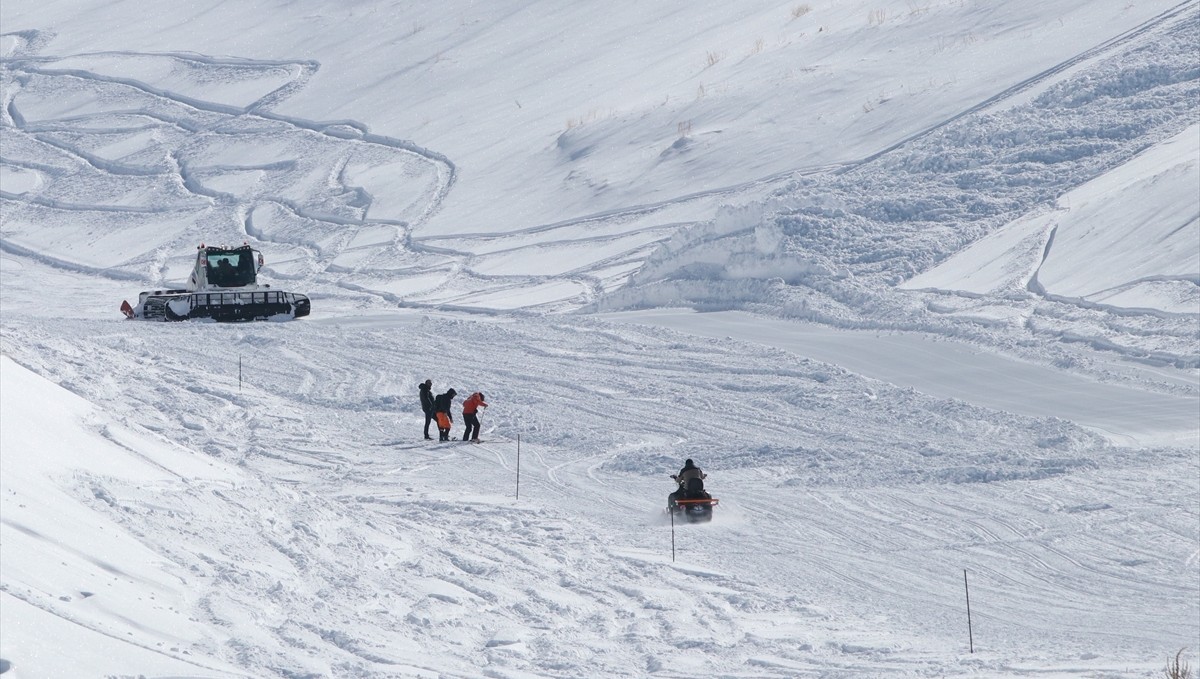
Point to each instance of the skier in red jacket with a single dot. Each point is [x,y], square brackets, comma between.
[470,407]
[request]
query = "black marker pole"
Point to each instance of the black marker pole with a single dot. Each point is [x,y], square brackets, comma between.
[970,633]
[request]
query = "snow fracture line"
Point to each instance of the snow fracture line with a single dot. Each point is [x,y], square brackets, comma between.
[1096,51]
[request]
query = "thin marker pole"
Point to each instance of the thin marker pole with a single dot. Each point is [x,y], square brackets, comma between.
[672,535]
[518,466]
[239,373]
[970,633]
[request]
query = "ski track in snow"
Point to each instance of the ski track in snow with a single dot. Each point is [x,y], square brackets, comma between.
[189,135]
[325,417]
[629,235]
[196,128]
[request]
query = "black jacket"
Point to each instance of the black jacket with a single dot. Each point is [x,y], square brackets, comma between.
[687,473]
[442,403]
[426,398]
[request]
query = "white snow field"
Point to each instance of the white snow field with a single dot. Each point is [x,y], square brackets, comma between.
[916,283]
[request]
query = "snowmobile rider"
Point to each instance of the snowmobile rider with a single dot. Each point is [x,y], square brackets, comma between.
[441,407]
[690,471]
[470,420]
[426,390]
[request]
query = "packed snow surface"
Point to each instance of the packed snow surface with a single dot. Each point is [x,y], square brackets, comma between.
[917,284]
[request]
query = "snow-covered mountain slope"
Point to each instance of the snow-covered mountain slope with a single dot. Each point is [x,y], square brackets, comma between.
[619,106]
[849,508]
[159,142]
[74,576]
[957,370]
[947,251]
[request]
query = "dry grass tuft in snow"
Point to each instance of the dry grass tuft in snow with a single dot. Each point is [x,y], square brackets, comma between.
[1178,668]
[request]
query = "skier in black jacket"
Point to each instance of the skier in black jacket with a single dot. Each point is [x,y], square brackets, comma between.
[427,404]
[441,407]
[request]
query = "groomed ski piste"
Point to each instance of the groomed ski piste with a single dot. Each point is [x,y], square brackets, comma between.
[917,284]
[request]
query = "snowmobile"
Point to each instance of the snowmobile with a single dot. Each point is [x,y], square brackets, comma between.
[691,502]
[224,287]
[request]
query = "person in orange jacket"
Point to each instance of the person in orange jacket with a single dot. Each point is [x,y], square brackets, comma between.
[471,406]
